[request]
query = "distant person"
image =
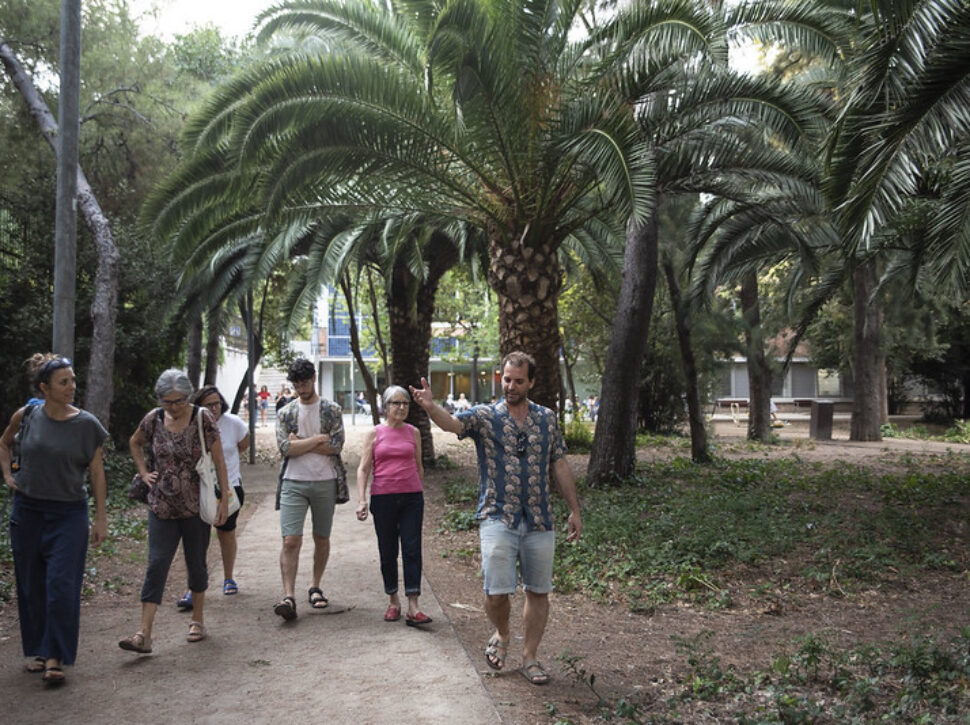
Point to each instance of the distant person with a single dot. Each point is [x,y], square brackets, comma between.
[310,436]
[60,445]
[462,403]
[170,433]
[262,400]
[776,422]
[234,434]
[392,451]
[519,446]
[282,398]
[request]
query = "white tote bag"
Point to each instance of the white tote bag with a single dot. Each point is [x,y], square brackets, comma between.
[209,484]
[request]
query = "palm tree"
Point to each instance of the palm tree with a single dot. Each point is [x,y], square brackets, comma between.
[478,111]
[413,256]
[898,80]
[708,131]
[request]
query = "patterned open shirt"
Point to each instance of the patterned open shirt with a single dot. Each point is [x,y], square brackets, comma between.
[514,462]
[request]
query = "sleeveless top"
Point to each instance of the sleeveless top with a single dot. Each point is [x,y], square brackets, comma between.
[395,467]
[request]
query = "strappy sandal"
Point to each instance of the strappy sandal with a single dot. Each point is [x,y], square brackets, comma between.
[229,586]
[286,608]
[53,675]
[535,673]
[137,642]
[36,665]
[495,652]
[197,632]
[316,598]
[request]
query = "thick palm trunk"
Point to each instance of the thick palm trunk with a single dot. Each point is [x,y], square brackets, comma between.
[759,372]
[410,307]
[526,279]
[410,352]
[104,307]
[868,364]
[695,415]
[613,455]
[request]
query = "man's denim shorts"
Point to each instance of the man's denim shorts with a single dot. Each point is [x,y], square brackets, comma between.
[503,548]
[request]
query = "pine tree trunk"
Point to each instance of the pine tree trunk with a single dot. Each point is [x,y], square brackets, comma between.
[378,333]
[695,415]
[371,387]
[213,329]
[104,307]
[193,361]
[256,330]
[613,456]
[759,372]
[868,364]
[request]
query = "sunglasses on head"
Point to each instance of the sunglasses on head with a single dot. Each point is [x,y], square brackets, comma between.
[55,363]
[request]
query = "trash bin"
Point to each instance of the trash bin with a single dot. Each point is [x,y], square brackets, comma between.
[820,425]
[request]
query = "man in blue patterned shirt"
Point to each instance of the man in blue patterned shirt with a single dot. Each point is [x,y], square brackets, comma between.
[519,445]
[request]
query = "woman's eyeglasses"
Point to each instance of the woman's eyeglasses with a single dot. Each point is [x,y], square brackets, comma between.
[403,403]
[175,401]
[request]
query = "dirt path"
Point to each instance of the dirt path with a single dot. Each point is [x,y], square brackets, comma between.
[344,664]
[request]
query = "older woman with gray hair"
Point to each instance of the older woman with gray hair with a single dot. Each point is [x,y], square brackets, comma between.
[392,451]
[170,435]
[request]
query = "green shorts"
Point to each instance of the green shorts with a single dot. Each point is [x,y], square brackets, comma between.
[298,496]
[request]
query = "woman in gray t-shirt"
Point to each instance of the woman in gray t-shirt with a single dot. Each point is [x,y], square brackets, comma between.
[60,445]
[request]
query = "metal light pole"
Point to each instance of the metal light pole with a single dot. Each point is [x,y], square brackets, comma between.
[65,229]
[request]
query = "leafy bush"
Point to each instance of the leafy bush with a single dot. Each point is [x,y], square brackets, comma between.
[578,436]
[959,432]
[458,520]
[664,533]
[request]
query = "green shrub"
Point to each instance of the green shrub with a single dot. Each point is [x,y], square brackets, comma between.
[668,531]
[458,520]
[578,436]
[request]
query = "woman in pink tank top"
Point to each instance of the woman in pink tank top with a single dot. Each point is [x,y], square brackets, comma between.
[392,452]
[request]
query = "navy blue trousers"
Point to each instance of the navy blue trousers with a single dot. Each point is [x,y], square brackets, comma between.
[50,543]
[399,517]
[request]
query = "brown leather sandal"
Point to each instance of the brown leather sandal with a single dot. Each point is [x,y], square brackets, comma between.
[137,642]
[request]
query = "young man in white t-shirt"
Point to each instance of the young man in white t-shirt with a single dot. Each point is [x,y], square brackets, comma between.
[310,436]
